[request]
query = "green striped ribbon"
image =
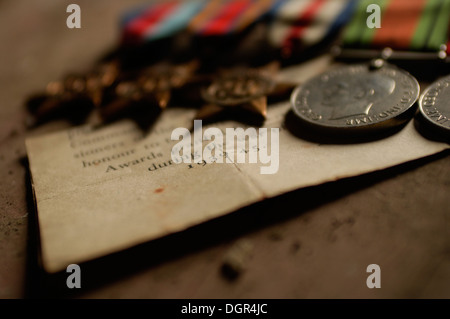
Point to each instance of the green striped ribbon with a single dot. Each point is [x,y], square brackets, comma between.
[415,25]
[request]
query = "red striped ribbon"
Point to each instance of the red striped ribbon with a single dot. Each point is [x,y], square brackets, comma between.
[406,25]
[222,22]
[305,19]
[399,25]
[148,20]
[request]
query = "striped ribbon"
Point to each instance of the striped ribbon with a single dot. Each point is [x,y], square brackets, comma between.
[416,25]
[304,23]
[290,22]
[225,17]
[158,20]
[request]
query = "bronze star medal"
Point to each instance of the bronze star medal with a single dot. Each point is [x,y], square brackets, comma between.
[101,78]
[149,89]
[74,96]
[67,98]
[242,94]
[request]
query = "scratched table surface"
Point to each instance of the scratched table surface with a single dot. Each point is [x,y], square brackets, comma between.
[311,243]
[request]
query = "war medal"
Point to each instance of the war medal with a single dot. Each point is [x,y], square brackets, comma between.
[434,105]
[150,88]
[67,98]
[357,98]
[100,78]
[74,96]
[370,97]
[243,93]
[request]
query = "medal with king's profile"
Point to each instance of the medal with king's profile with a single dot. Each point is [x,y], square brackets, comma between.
[357,98]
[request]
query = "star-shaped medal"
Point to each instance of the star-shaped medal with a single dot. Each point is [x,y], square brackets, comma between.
[242,94]
[74,96]
[150,88]
[67,98]
[100,78]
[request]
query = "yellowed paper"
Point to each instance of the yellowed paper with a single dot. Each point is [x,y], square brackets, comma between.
[101,191]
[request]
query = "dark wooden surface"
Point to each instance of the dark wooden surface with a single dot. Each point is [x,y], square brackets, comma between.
[313,243]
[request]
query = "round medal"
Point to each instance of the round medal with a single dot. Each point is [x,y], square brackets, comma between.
[434,104]
[357,98]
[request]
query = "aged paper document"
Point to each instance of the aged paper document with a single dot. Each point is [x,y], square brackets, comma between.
[99,191]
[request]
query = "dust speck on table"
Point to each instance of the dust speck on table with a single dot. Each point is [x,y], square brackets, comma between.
[236,259]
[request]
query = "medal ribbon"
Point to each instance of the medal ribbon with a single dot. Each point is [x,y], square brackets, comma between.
[415,25]
[159,20]
[225,17]
[306,17]
[304,23]
[201,17]
[291,22]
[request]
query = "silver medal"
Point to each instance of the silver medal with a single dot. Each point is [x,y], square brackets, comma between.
[357,98]
[434,104]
